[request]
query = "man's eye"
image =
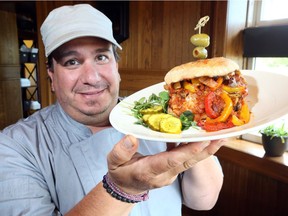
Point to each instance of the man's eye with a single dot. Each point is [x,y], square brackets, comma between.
[102,59]
[71,62]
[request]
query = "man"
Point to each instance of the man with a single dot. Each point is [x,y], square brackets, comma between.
[53,162]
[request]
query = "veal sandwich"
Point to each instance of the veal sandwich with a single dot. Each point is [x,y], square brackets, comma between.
[214,90]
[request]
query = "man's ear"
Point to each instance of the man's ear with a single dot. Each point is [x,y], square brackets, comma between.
[51,78]
[119,76]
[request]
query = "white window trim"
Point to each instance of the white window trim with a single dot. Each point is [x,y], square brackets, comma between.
[256,8]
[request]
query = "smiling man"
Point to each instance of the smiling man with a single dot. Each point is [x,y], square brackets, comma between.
[85,79]
[66,159]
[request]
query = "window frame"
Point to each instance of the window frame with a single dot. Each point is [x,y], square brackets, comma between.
[256,21]
[253,21]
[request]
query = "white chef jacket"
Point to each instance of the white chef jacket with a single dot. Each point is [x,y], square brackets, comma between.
[49,162]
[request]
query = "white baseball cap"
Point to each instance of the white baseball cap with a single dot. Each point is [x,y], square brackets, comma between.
[69,22]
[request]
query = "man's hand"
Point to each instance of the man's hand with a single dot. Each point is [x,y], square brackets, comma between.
[135,173]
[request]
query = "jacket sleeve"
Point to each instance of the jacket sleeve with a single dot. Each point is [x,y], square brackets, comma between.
[23,190]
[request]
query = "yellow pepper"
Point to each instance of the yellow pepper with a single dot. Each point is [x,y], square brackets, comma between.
[189,86]
[233,89]
[236,121]
[244,113]
[219,82]
[225,112]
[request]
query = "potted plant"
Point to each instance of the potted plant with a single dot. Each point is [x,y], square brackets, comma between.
[274,140]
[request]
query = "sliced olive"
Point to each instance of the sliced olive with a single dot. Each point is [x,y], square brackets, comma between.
[200,40]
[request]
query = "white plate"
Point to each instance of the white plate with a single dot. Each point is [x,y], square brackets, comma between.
[267,100]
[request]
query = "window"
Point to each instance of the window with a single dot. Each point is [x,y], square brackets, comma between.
[265,41]
[270,12]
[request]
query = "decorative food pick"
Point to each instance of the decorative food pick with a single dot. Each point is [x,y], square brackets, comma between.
[200,40]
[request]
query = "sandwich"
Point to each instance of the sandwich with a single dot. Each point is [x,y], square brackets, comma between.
[214,90]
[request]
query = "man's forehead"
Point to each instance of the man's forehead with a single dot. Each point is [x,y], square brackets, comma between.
[87,40]
[71,47]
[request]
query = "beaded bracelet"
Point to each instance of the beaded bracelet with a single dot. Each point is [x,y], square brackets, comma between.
[117,193]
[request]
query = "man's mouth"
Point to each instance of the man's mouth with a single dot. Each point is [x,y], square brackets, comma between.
[95,89]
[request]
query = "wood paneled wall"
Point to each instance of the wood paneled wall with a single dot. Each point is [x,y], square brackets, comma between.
[160,33]
[249,188]
[10,90]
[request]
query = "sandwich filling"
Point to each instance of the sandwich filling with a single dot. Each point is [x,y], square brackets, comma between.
[217,101]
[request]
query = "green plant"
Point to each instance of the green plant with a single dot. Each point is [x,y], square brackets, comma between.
[274,131]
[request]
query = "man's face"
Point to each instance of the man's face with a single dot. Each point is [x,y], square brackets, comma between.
[86,80]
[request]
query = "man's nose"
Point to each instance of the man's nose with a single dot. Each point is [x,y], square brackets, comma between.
[91,72]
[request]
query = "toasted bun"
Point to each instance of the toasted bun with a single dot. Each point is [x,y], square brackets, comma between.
[218,66]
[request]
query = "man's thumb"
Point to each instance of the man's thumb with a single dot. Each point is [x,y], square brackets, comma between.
[122,152]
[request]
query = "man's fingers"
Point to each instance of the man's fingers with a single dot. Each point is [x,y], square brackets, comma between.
[215,146]
[211,149]
[184,156]
[122,152]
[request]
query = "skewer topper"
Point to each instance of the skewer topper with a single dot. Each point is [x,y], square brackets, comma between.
[200,40]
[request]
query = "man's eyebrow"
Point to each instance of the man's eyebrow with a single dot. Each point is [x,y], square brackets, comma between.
[62,54]
[72,52]
[67,53]
[103,50]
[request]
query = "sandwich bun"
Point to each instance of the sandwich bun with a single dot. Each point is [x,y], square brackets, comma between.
[218,66]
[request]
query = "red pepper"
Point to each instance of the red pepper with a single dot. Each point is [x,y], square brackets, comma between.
[225,113]
[209,105]
[217,126]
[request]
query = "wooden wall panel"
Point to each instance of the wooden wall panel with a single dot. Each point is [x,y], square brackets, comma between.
[9,54]
[160,34]
[10,101]
[247,189]
[10,90]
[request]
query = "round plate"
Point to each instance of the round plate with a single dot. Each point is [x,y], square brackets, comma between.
[267,100]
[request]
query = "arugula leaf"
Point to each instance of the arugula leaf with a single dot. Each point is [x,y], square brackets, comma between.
[164,100]
[153,100]
[187,119]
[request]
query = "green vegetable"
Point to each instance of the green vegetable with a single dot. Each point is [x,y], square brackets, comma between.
[187,119]
[154,100]
[144,107]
